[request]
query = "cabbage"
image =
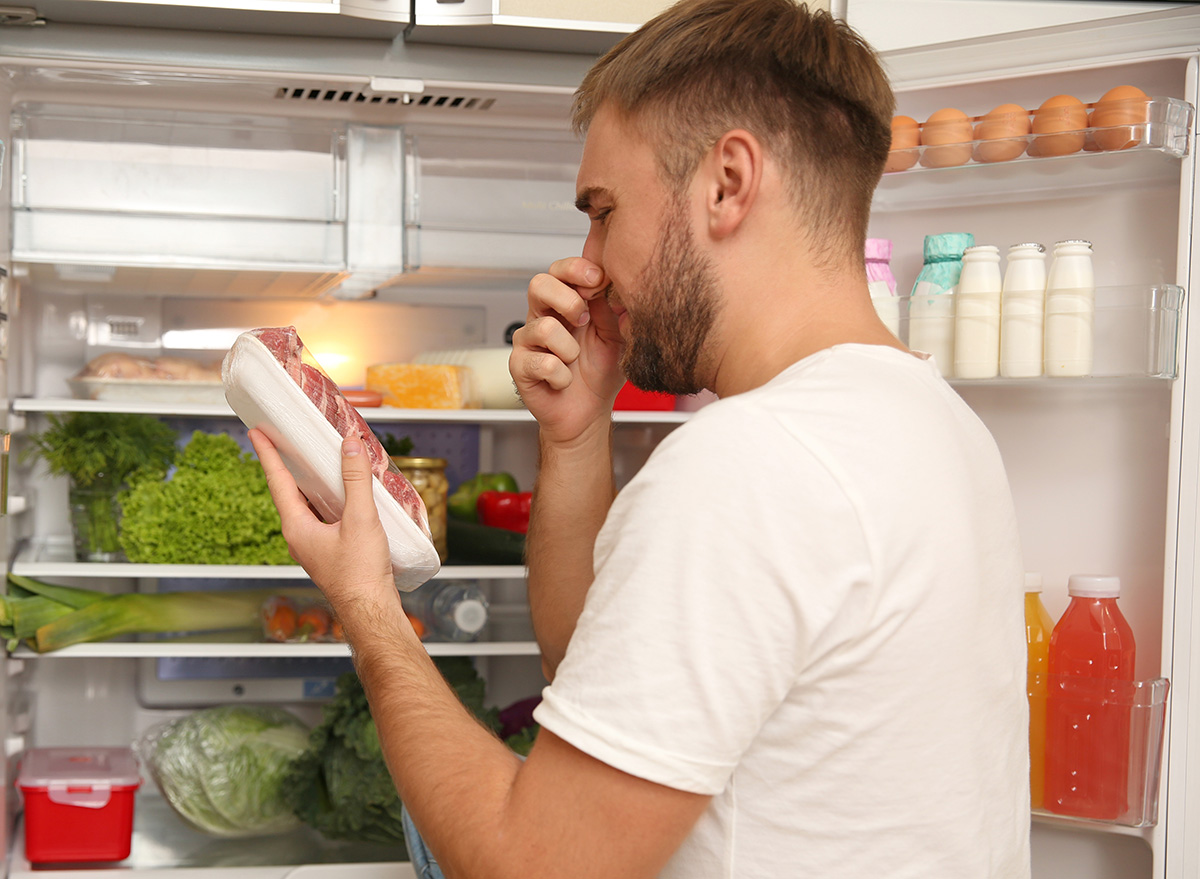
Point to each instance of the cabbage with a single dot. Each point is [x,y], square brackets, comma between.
[221,768]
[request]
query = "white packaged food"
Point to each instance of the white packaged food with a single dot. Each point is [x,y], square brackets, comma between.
[270,386]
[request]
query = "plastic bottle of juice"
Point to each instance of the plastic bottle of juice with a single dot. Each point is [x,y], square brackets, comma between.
[1038,626]
[1087,708]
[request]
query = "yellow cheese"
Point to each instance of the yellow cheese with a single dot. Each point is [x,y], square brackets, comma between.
[423,385]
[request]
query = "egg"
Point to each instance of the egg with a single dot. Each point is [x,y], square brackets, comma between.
[1062,123]
[1116,115]
[946,136]
[906,135]
[1002,134]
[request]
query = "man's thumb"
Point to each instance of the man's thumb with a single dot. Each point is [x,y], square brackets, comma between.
[356,475]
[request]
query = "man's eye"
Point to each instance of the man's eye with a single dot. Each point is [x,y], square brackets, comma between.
[601,216]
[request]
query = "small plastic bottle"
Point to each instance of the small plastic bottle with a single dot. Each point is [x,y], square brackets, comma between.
[1070,310]
[931,306]
[1091,663]
[881,284]
[1038,626]
[1023,312]
[450,610]
[977,314]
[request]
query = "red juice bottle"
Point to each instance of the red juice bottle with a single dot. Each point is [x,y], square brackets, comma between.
[1087,708]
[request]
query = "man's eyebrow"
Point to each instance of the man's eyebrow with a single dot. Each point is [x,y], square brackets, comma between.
[584,201]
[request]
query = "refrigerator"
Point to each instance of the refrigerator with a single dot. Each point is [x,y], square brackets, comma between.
[166,189]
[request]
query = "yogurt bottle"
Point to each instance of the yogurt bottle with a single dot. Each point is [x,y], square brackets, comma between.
[977,314]
[931,306]
[1070,310]
[881,284]
[1022,312]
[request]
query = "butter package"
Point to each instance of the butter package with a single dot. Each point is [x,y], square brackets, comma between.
[424,385]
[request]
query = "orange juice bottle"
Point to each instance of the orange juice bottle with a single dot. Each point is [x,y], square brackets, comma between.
[1087,712]
[1038,626]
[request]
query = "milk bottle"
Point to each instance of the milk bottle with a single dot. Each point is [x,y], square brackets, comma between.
[1022,312]
[977,314]
[931,306]
[1070,310]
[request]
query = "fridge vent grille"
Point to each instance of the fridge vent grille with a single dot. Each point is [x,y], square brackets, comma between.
[351,96]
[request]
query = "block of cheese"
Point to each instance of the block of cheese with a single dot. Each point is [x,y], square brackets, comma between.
[424,385]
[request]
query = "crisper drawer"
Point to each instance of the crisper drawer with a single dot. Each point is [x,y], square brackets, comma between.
[491,199]
[153,187]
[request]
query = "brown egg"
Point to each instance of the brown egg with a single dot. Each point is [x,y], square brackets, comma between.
[946,136]
[1002,134]
[1117,117]
[906,135]
[1062,120]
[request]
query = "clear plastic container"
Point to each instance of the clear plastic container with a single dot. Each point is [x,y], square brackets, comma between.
[1145,703]
[449,610]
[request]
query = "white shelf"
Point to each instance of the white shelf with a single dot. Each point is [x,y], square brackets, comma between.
[54,557]
[260,650]
[371,414]
[1084,824]
[163,846]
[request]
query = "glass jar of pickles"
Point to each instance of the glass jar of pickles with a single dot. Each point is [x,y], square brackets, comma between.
[428,477]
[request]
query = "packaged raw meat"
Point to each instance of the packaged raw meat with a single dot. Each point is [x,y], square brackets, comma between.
[272,383]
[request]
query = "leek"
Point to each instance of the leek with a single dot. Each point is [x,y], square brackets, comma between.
[31,604]
[156,613]
[71,596]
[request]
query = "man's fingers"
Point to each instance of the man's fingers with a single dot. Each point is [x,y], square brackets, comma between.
[288,498]
[358,482]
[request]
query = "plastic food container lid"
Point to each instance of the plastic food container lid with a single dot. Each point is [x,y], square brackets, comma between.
[1094,585]
[100,768]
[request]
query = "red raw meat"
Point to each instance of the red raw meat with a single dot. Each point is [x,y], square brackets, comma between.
[284,343]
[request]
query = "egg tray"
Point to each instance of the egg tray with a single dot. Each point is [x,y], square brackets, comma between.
[1165,126]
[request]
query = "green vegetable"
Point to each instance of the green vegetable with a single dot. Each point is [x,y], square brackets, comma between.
[472,544]
[103,449]
[215,509]
[395,447]
[158,612]
[461,504]
[222,769]
[100,452]
[340,786]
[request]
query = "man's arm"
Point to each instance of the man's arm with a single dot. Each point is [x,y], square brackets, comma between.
[483,812]
[565,365]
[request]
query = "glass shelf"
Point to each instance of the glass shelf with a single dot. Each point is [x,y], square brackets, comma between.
[162,842]
[373,414]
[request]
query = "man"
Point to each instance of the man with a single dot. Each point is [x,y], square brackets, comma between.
[792,645]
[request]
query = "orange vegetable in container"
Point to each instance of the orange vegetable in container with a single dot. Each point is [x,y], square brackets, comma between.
[906,136]
[1118,116]
[1002,134]
[947,138]
[1061,123]
[314,622]
[279,618]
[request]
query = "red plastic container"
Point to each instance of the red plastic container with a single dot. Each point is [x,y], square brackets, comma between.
[78,803]
[630,398]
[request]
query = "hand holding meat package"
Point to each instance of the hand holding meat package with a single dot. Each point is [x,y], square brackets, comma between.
[272,383]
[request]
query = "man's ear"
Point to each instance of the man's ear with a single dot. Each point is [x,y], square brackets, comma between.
[734,173]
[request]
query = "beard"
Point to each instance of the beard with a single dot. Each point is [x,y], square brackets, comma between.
[677,306]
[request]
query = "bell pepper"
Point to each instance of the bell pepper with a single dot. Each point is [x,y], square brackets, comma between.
[505,509]
[462,504]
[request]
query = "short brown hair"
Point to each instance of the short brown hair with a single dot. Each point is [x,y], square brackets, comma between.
[801,81]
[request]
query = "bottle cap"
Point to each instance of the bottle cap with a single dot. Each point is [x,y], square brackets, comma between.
[947,246]
[1033,581]
[1037,248]
[982,249]
[1074,241]
[878,248]
[470,615]
[1094,585]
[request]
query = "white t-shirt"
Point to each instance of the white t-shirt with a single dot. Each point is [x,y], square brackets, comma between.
[808,604]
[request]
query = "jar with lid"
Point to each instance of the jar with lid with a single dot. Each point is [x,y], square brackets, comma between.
[428,477]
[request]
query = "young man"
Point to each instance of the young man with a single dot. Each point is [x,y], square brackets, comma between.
[807,664]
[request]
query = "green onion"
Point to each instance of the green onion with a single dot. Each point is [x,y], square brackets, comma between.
[160,612]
